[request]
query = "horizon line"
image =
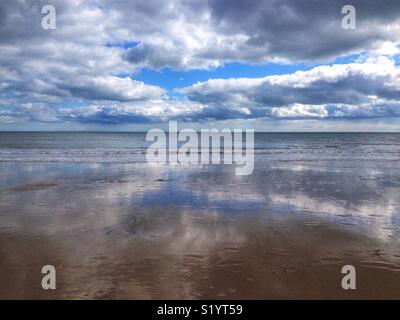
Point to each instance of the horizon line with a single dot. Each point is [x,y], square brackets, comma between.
[96,131]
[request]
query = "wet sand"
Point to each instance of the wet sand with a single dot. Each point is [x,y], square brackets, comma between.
[134,231]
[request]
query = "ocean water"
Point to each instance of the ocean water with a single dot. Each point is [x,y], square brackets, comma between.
[94,147]
[117,227]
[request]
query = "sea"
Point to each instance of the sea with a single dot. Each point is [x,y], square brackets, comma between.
[117,147]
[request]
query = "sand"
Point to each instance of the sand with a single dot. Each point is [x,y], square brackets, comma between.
[126,231]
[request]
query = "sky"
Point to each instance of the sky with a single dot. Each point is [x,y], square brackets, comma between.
[269,65]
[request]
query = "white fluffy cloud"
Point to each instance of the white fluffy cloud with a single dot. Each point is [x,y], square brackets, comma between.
[111,88]
[152,110]
[84,61]
[341,90]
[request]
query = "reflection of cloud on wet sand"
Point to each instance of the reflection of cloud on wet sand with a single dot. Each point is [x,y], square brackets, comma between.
[137,232]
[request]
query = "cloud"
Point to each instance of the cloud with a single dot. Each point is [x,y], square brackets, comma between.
[74,74]
[151,111]
[91,88]
[141,112]
[340,90]
[301,111]
[366,89]
[38,112]
[112,88]
[190,34]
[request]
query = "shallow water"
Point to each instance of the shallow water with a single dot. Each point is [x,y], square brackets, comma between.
[133,230]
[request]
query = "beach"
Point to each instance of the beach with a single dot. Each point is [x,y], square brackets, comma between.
[116,227]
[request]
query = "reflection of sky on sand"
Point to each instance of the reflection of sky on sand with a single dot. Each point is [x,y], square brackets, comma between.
[154,231]
[353,197]
[365,199]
